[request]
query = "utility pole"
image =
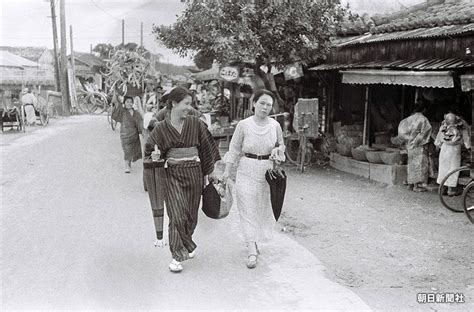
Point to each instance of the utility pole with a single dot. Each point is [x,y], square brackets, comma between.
[63,70]
[73,61]
[123,32]
[141,35]
[91,48]
[55,44]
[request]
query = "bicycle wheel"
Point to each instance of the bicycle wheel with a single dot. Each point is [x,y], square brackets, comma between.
[292,149]
[453,203]
[44,117]
[468,201]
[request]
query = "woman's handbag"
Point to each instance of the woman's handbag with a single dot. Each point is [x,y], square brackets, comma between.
[217,199]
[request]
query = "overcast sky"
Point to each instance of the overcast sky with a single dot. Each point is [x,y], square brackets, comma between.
[27,22]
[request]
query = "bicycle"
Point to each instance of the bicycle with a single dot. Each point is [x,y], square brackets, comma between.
[461,202]
[468,201]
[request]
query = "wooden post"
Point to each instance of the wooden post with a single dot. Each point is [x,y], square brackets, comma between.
[123,32]
[366,117]
[402,110]
[55,45]
[63,69]
[141,34]
[73,61]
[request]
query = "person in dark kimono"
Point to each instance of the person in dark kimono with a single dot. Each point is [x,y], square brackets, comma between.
[131,124]
[190,152]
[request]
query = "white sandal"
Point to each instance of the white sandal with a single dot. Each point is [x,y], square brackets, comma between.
[175,266]
[192,254]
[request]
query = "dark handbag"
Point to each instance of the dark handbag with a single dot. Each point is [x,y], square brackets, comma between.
[215,205]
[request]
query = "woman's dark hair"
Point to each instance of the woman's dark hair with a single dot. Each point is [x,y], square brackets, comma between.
[176,95]
[127,97]
[257,94]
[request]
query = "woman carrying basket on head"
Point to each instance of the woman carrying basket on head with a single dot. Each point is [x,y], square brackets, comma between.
[190,153]
[255,139]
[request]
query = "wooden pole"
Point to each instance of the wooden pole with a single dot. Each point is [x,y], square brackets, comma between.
[123,32]
[73,61]
[141,35]
[366,116]
[63,69]
[402,110]
[55,45]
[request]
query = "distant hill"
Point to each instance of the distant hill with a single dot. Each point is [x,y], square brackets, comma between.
[171,69]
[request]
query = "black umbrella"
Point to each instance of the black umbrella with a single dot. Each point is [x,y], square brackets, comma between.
[154,176]
[276,178]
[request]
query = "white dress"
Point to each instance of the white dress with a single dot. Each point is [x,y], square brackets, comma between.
[252,190]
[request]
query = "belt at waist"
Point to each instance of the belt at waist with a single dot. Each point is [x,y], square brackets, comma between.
[29,104]
[258,157]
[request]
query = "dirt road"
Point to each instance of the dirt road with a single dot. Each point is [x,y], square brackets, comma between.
[387,244]
[77,233]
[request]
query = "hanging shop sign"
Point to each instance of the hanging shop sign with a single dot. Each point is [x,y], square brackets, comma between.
[229,73]
[293,71]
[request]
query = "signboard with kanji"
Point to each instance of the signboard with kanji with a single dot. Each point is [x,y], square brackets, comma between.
[229,73]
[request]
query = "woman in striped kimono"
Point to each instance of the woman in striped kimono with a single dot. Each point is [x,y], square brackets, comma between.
[131,124]
[190,153]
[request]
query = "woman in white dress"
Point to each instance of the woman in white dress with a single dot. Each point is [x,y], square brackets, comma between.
[253,148]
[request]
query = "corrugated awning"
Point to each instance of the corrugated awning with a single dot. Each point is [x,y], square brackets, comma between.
[426,79]
[425,64]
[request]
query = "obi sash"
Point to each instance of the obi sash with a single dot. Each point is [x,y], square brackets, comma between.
[182,154]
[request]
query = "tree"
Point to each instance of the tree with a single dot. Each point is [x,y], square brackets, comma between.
[262,32]
[203,60]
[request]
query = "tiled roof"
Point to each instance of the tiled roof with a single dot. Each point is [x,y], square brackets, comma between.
[30,53]
[424,15]
[459,12]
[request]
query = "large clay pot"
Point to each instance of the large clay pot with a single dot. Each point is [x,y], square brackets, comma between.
[358,153]
[374,156]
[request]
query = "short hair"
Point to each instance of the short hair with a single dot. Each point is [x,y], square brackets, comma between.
[127,97]
[176,95]
[258,94]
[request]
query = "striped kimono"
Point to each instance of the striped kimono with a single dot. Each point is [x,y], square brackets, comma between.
[183,180]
